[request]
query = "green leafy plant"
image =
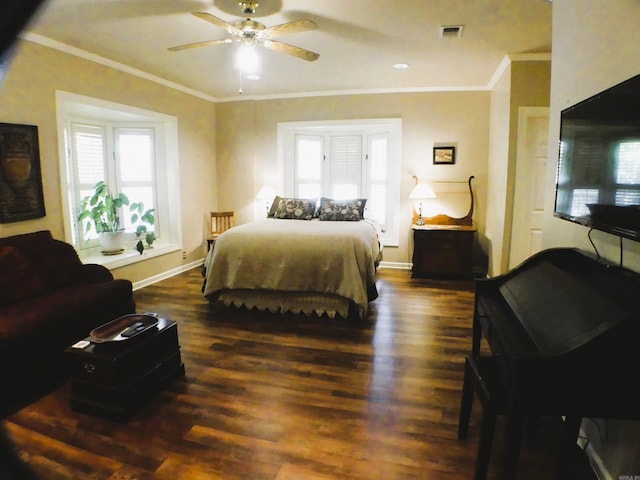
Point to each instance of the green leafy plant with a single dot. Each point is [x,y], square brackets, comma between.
[143,219]
[101,209]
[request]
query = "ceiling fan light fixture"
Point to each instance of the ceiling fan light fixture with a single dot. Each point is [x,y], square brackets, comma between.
[247,60]
[249,33]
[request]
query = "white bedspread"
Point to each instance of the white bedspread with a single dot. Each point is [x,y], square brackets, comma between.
[322,257]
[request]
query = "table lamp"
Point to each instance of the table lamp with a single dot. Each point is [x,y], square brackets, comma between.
[421,192]
[266,194]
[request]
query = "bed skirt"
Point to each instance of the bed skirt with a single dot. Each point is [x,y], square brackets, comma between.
[294,302]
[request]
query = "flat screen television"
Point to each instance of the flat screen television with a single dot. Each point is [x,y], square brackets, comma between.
[598,177]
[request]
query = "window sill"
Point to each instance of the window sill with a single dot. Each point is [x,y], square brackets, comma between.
[128,257]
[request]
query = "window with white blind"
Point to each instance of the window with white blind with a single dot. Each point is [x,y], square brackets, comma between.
[309,155]
[344,178]
[132,150]
[342,160]
[124,158]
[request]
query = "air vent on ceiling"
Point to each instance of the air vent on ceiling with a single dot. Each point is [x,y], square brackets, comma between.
[451,31]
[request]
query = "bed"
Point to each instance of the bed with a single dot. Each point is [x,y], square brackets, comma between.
[296,264]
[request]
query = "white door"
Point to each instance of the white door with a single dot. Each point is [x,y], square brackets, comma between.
[529,191]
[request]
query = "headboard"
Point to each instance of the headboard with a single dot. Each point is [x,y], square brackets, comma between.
[443,219]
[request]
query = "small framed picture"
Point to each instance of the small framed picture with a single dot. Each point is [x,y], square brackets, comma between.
[444,155]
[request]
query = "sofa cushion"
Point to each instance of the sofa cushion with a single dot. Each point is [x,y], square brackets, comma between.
[56,262]
[18,279]
[58,265]
[29,240]
[55,309]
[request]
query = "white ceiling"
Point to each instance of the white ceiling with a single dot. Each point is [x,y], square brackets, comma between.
[358,42]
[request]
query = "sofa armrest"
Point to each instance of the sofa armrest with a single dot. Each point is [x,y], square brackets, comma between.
[95,273]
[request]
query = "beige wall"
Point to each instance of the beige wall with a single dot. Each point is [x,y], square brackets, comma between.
[586,60]
[498,172]
[594,47]
[522,84]
[247,144]
[226,174]
[27,96]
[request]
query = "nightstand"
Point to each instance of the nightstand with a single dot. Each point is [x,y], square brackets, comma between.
[443,251]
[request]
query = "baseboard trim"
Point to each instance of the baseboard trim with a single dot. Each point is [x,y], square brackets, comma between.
[168,274]
[395,265]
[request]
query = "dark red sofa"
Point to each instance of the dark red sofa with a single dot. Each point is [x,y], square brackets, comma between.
[49,299]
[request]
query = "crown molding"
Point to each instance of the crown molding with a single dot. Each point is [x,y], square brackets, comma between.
[63,47]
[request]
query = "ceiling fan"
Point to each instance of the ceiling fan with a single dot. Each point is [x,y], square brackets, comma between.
[249,32]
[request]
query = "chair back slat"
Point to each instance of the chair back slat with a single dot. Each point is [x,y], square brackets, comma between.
[220,222]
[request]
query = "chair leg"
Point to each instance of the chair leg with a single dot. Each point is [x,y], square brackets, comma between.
[487,429]
[568,436]
[466,402]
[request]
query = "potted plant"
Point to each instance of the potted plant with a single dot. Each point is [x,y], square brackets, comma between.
[144,219]
[101,212]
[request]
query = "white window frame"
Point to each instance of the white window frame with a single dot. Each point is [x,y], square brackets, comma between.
[81,109]
[368,128]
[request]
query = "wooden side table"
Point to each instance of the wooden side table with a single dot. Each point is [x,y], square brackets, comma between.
[443,251]
[115,379]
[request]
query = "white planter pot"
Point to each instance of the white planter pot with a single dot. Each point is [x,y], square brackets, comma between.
[111,242]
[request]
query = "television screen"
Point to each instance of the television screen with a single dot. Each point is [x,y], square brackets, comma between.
[598,177]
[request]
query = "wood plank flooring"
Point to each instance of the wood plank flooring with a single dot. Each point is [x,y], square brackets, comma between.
[286,397]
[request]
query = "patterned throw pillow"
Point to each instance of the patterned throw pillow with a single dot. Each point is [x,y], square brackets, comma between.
[342,210]
[274,207]
[295,208]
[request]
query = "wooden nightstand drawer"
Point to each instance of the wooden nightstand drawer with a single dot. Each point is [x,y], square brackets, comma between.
[443,251]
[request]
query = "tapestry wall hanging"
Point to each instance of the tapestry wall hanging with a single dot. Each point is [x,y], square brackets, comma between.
[21,195]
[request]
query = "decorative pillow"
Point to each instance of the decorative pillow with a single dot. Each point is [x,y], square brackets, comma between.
[18,279]
[295,208]
[274,207]
[342,210]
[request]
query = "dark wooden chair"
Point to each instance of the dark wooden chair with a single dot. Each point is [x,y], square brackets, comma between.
[481,377]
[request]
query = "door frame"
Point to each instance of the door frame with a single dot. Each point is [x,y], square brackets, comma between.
[524,115]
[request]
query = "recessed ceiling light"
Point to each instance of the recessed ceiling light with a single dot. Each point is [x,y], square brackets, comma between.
[401,66]
[253,77]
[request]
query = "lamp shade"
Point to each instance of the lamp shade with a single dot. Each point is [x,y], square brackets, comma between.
[266,193]
[421,191]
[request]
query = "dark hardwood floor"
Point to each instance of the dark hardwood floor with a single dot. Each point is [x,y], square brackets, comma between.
[286,397]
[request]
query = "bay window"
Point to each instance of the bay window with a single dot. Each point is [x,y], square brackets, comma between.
[346,159]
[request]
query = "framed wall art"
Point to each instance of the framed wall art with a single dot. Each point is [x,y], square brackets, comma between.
[444,155]
[21,195]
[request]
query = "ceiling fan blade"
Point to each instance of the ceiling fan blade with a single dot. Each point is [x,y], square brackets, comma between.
[291,27]
[291,50]
[198,44]
[207,17]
